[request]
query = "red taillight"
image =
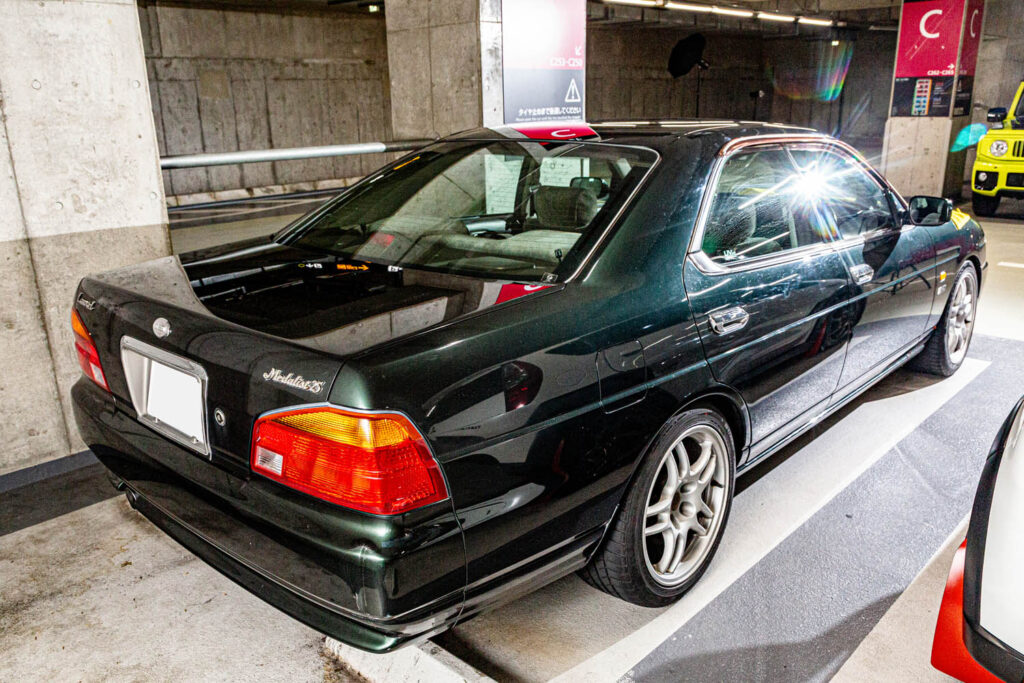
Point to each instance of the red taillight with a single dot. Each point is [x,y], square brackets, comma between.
[376,463]
[88,358]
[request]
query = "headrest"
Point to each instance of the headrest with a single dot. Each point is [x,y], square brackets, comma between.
[566,208]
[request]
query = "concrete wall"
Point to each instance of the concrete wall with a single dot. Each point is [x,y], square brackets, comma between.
[226,80]
[80,192]
[627,77]
[445,62]
[865,95]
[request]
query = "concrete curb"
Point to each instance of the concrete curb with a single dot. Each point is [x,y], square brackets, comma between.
[424,663]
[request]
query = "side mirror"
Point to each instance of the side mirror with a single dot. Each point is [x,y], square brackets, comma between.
[929,210]
[997,115]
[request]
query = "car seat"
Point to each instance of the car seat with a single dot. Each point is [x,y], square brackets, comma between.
[563,208]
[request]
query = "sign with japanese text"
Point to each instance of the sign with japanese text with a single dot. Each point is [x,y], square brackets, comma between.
[544,59]
[926,58]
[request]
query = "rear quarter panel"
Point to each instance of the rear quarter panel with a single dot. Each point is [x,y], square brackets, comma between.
[540,482]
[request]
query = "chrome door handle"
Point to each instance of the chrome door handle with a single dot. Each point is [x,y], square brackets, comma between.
[861,273]
[728,320]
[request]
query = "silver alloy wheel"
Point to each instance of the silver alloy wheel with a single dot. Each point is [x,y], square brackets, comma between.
[686,504]
[960,317]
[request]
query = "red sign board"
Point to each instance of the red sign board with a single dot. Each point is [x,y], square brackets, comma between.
[929,38]
[968,57]
[927,56]
[509,292]
[544,52]
[555,131]
[544,34]
[972,37]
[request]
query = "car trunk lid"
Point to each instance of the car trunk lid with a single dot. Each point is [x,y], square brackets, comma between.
[269,325]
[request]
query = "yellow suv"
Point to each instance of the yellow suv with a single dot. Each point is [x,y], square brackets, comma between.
[999,167]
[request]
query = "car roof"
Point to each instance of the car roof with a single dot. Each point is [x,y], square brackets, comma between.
[657,134]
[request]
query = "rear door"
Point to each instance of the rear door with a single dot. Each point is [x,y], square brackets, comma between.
[768,292]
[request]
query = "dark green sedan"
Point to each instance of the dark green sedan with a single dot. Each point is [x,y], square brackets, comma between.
[512,355]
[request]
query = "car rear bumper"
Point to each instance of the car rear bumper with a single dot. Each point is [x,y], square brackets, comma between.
[373,582]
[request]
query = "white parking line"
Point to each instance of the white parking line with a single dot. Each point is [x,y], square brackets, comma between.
[1010,264]
[774,507]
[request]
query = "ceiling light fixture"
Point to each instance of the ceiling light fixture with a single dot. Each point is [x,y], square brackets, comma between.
[725,11]
[729,12]
[768,16]
[637,3]
[814,22]
[687,7]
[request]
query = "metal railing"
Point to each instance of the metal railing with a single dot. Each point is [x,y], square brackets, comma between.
[289,153]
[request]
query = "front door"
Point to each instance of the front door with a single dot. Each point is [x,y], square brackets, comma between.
[768,288]
[891,265]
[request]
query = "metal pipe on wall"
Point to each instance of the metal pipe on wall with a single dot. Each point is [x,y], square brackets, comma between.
[289,153]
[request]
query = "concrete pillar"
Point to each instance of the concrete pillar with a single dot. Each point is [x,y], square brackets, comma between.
[80,192]
[444,62]
[916,154]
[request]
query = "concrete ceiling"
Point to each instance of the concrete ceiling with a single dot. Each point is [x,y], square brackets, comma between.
[853,14]
[857,13]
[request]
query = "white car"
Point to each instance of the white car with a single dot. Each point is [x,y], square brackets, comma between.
[980,631]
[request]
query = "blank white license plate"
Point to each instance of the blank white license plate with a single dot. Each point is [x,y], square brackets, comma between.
[168,392]
[176,398]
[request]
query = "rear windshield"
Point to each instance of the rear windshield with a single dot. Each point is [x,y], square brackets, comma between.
[505,209]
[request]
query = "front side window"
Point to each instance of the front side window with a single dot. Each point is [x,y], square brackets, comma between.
[762,205]
[857,203]
[505,209]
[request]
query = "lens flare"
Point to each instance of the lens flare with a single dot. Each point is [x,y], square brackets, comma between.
[968,137]
[823,83]
[812,191]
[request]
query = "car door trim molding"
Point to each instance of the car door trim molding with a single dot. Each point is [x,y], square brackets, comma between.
[814,316]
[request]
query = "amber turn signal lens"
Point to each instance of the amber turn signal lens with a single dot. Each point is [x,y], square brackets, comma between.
[377,463]
[88,357]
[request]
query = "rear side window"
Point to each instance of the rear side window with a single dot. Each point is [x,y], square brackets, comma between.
[762,205]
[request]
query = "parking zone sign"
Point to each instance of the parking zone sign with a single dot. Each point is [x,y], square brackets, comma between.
[927,56]
[544,59]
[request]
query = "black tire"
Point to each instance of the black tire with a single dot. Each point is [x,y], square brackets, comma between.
[984,205]
[936,359]
[620,566]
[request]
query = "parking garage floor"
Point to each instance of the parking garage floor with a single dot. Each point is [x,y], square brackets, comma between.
[832,566]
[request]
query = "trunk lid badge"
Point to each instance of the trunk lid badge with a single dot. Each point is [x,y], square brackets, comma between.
[161,328]
[296,381]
